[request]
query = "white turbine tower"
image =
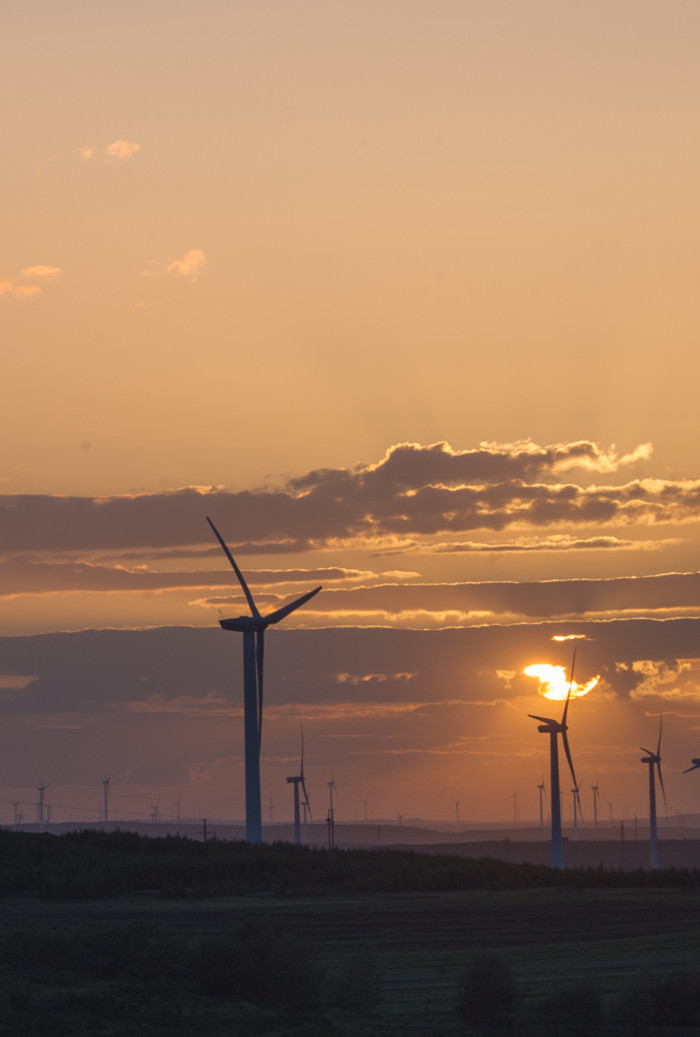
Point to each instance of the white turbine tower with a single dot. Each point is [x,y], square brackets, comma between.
[298,780]
[253,629]
[553,728]
[653,759]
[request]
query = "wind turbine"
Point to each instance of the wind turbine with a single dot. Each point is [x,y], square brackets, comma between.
[654,759]
[400,817]
[596,797]
[331,816]
[576,805]
[553,728]
[105,783]
[41,789]
[540,788]
[695,764]
[298,780]
[253,629]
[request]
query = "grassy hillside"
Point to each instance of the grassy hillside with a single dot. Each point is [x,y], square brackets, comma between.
[113,934]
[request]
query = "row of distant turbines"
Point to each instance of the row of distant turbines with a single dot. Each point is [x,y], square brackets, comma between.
[253,629]
[554,728]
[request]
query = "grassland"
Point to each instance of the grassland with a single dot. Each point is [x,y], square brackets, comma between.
[178,954]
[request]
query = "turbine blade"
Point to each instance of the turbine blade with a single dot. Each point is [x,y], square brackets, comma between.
[694,767]
[249,597]
[658,748]
[301,769]
[306,799]
[571,684]
[565,743]
[661,780]
[545,720]
[260,650]
[275,617]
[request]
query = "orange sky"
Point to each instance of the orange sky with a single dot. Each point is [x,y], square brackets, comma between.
[403,295]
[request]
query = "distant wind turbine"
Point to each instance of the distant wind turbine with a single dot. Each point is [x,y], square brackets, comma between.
[695,764]
[331,815]
[41,789]
[653,759]
[297,780]
[553,728]
[253,629]
[540,789]
[400,817]
[596,798]
[105,783]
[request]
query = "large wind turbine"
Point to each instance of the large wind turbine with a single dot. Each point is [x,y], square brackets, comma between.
[654,759]
[553,728]
[253,629]
[298,780]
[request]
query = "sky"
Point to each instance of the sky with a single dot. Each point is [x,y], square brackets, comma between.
[402,295]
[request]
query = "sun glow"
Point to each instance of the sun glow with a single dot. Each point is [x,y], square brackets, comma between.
[554,681]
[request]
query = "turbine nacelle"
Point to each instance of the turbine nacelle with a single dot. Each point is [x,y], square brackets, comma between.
[549,727]
[243,623]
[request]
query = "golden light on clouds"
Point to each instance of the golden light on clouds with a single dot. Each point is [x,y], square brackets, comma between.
[554,681]
[17,286]
[122,149]
[189,266]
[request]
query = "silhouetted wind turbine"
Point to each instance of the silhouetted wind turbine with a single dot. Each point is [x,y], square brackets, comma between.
[331,815]
[298,780]
[105,783]
[596,796]
[253,629]
[654,759]
[540,788]
[41,789]
[695,764]
[553,728]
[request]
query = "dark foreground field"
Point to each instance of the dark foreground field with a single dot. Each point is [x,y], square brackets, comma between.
[116,934]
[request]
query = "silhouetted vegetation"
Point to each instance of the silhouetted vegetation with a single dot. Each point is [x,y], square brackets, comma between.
[489,994]
[96,864]
[116,933]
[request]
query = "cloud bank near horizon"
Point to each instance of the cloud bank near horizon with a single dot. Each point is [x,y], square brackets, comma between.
[148,559]
[415,492]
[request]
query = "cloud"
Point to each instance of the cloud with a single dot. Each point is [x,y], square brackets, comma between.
[41,273]
[117,151]
[552,544]
[189,266]
[121,150]
[415,497]
[16,286]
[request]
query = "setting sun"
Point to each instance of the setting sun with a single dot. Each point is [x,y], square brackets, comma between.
[554,682]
